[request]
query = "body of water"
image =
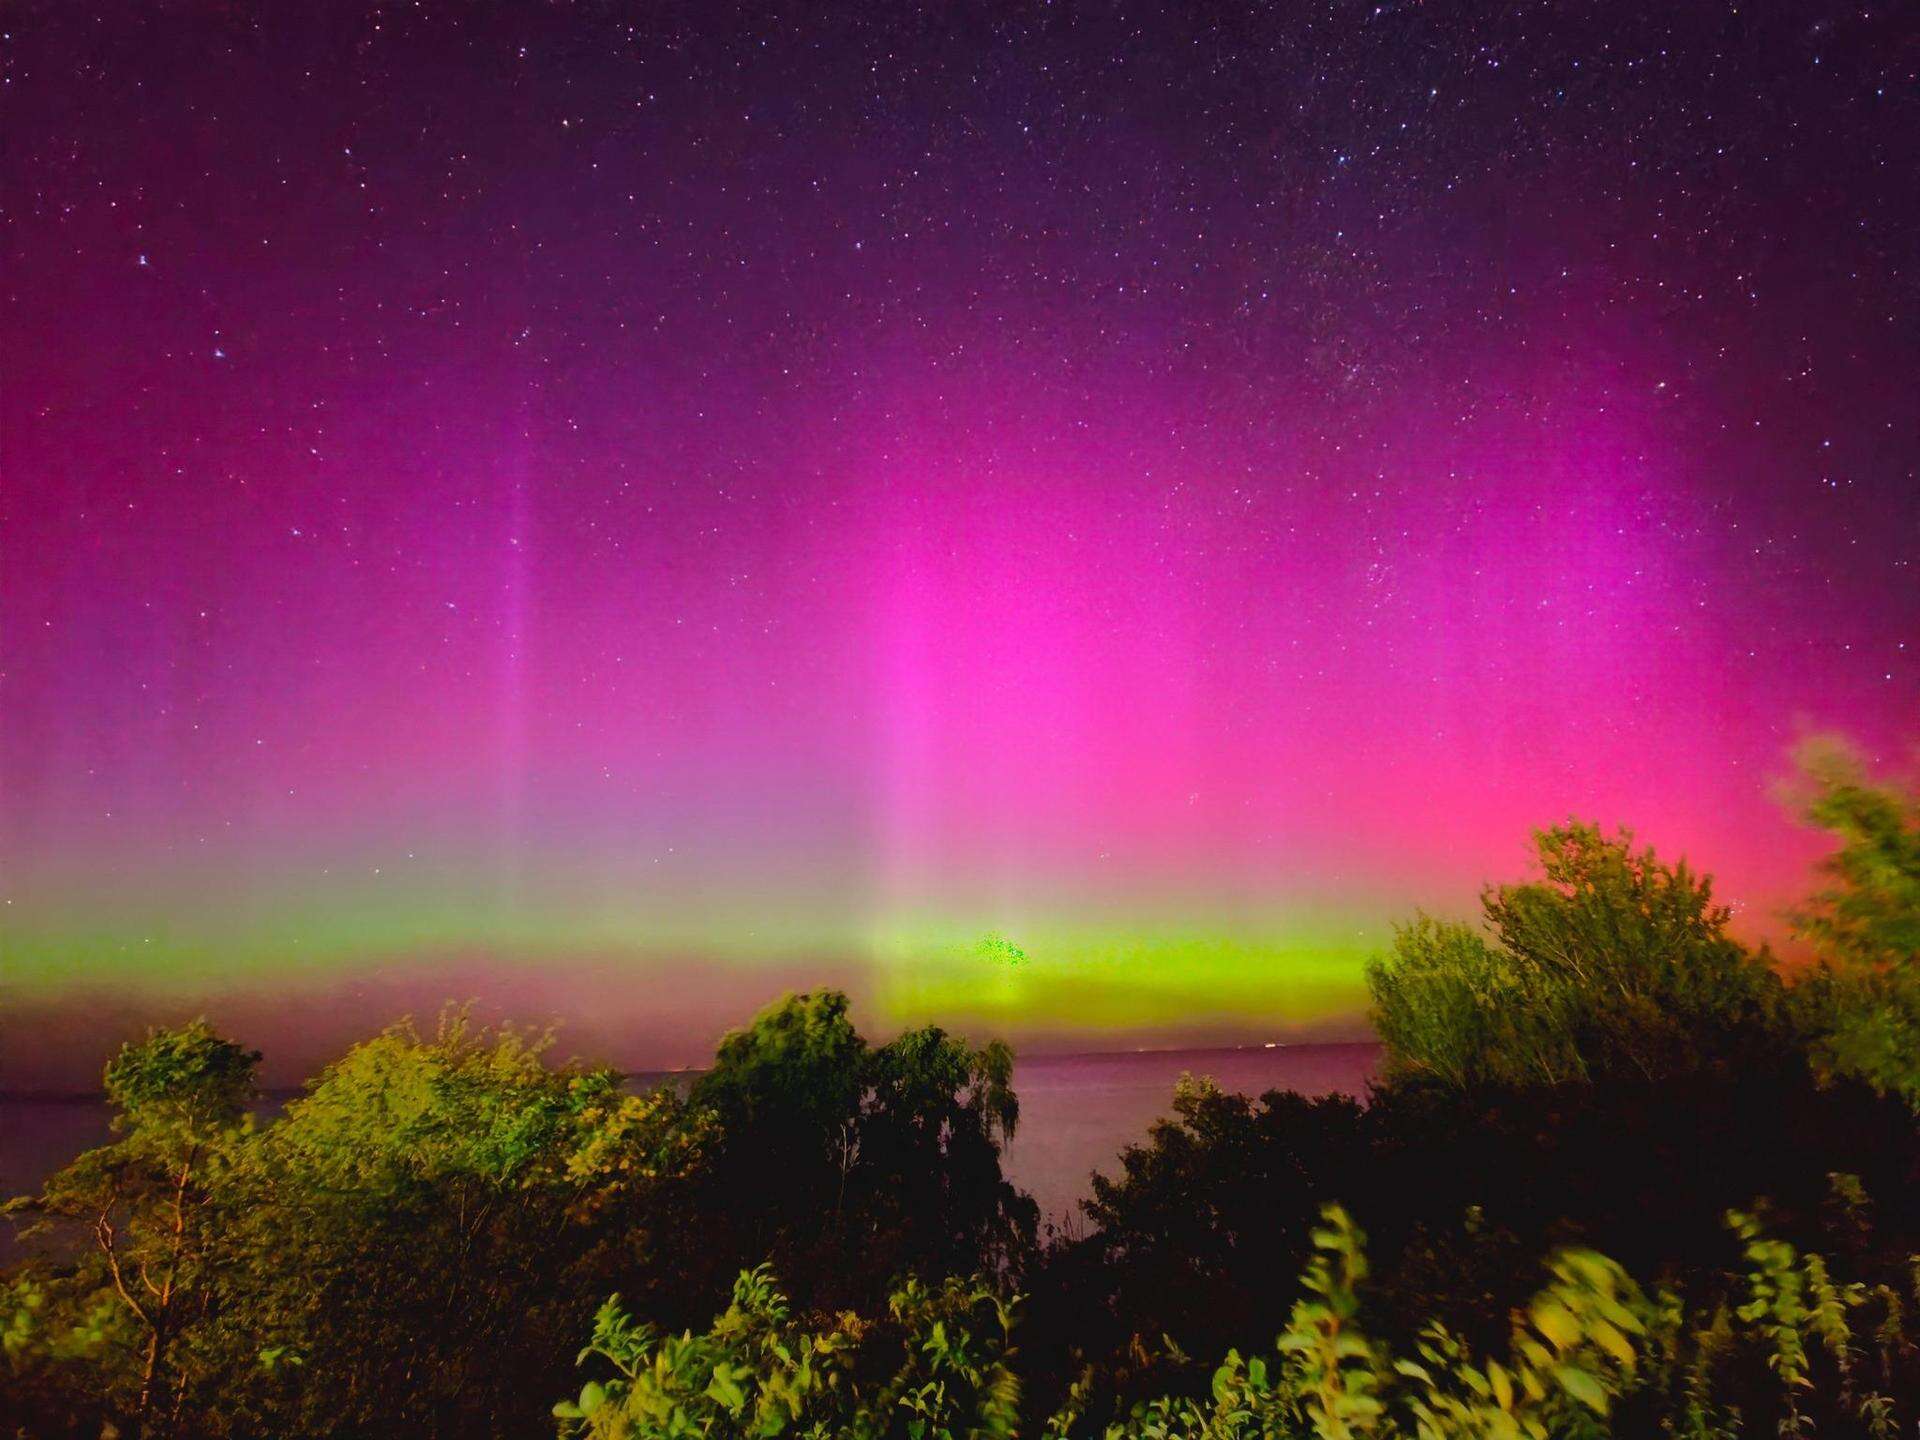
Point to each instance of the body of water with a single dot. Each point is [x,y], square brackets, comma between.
[1076,1111]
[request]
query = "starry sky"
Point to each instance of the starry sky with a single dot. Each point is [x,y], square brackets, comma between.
[1064,518]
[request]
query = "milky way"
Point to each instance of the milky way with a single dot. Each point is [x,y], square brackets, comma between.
[1064,518]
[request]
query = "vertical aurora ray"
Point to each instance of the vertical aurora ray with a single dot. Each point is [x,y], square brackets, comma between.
[770,528]
[1192,762]
[517,548]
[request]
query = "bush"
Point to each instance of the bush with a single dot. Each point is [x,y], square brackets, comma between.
[411,1236]
[414,1244]
[1778,1345]
[126,1323]
[935,1368]
[850,1164]
[1611,964]
[1861,1004]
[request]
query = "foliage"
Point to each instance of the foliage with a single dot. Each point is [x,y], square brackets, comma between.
[184,1087]
[413,1244]
[936,1369]
[1190,1233]
[1449,1005]
[1464,1193]
[1868,911]
[416,1244]
[1612,963]
[414,1228]
[144,1212]
[1591,1354]
[402,1247]
[1588,1355]
[848,1164]
[1863,1003]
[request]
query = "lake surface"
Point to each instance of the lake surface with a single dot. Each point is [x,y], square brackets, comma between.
[1076,1111]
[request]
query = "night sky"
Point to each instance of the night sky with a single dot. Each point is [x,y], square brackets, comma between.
[1064,518]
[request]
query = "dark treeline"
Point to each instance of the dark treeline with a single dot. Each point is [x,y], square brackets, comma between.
[1620,1176]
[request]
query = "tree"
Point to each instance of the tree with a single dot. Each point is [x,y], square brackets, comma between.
[1867,914]
[1863,1002]
[935,1368]
[1191,1230]
[1452,1007]
[1613,962]
[418,1227]
[850,1164]
[410,1245]
[145,1206]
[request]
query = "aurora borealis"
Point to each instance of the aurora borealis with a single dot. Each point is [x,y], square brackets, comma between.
[618,515]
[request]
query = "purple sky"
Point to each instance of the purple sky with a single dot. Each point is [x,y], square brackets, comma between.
[622,517]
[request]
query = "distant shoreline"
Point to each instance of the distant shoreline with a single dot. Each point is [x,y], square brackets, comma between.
[1041,1058]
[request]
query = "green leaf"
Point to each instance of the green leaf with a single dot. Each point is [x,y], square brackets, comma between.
[1502,1385]
[1556,1322]
[1582,1387]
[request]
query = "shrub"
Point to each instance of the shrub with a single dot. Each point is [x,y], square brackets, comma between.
[143,1218]
[1590,1355]
[1862,1004]
[937,1368]
[1612,963]
[849,1164]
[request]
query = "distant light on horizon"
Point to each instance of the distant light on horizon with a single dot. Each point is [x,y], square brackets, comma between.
[1072,556]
